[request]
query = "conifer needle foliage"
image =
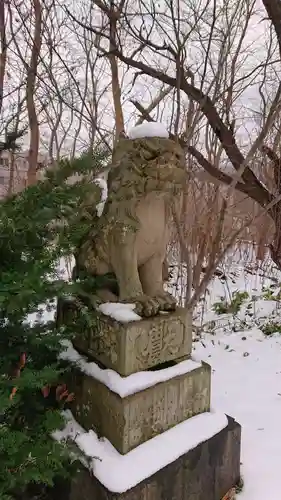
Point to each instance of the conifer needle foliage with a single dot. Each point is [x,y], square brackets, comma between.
[31,376]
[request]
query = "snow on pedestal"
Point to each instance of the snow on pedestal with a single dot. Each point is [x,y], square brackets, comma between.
[119,473]
[120,312]
[125,386]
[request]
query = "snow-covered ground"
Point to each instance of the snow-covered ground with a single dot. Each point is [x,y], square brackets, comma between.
[246,384]
[246,380]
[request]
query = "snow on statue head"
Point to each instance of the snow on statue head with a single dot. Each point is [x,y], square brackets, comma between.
[151,129]
[130,239]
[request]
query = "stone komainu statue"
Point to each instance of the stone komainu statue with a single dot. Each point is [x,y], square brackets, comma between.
[130,238]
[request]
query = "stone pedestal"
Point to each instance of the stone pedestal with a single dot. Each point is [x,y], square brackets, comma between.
[206,472]
[139,345]
[130,418]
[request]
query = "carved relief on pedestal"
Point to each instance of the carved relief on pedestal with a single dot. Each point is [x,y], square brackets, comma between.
[165,341]
[104,342]
[131,347]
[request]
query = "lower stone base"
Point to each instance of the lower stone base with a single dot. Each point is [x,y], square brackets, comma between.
[207,472]
[127,422]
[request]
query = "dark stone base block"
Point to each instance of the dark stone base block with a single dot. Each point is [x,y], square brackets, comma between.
[207,472]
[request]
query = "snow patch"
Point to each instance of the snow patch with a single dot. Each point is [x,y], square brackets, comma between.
[119,473]
[101,182]
[120,312]
[246,384]
[151,129]
[71,430]
[65,267]
[125,386]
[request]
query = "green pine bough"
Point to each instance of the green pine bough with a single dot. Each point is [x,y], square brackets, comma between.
[38,227]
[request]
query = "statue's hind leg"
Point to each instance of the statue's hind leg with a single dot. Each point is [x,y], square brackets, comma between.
[124,263]
[151,276]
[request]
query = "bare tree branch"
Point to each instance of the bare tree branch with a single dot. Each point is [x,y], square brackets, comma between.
[224,134]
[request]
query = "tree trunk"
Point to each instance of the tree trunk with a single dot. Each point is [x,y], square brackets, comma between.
[275,247]
[30,89]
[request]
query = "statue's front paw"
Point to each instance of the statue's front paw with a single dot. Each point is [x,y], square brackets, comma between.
[166,301]
[147,306]
[151,306]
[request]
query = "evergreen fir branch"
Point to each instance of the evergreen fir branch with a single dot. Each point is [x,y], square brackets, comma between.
[38,227]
